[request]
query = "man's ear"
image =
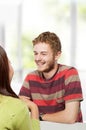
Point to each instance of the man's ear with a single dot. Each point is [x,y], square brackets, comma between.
[57,55]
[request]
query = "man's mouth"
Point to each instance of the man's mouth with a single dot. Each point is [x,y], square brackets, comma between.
[40,63]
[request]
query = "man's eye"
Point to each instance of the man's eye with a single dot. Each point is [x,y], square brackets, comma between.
[44,54]
[35,53]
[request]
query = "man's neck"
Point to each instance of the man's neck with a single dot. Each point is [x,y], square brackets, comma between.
[48,75]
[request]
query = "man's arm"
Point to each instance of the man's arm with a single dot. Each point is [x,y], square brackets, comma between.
[69,115]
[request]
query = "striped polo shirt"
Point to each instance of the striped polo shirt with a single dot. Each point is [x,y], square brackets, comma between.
[51,95]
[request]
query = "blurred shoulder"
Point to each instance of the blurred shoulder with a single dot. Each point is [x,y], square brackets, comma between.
[15,104]
[66,67]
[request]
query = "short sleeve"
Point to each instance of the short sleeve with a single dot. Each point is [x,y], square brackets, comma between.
[73,89]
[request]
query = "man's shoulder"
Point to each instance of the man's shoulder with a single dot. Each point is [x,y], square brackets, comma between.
[65,67]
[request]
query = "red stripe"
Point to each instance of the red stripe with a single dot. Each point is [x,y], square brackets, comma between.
[45,103]
[37,78]
[71,72]
[73,96]
[34,78]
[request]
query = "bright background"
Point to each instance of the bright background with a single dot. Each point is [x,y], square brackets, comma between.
[22,20]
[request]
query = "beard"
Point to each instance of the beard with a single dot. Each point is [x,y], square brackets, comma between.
[49,68]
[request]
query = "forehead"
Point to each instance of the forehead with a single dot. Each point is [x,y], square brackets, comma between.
[41,47]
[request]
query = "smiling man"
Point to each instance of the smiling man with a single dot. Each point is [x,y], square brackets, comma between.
[55,88]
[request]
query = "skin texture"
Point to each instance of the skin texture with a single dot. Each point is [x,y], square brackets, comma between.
[71,110]
[45,60]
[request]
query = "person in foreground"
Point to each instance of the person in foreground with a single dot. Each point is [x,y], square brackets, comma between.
[14,114]
[55,88]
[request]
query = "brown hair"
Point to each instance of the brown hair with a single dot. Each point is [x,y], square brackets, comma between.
[5,87]
[49,38]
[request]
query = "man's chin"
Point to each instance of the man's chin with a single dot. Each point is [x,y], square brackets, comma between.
[43,70]
[40,70]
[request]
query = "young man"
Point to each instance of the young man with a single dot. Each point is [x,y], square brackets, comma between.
[54,87]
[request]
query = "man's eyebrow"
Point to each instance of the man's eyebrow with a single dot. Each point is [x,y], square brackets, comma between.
[41,51]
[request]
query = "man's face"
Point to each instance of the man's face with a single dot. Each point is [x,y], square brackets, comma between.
[44,57]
